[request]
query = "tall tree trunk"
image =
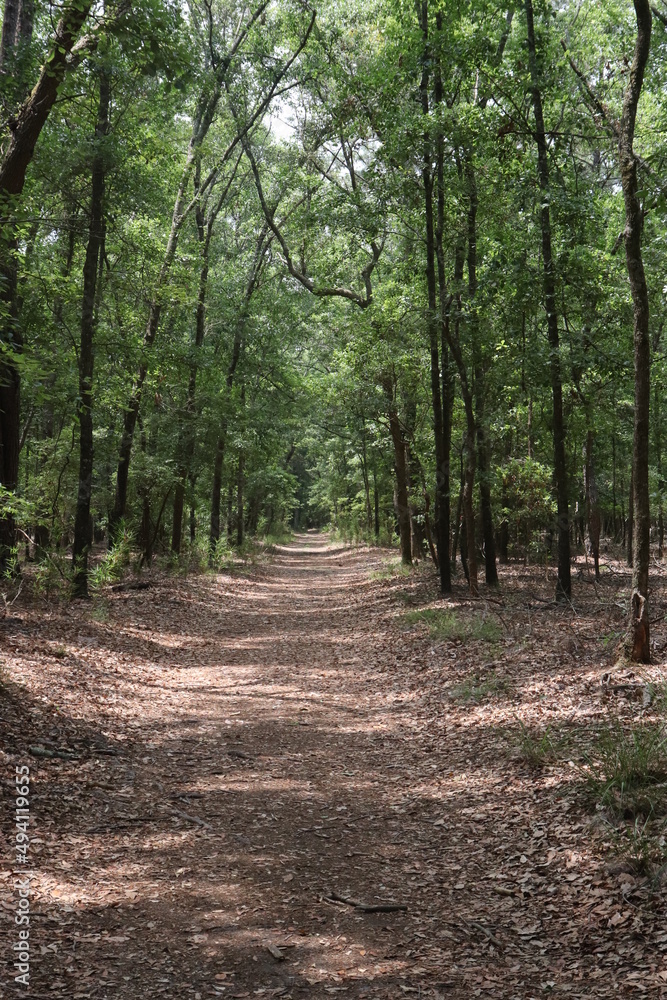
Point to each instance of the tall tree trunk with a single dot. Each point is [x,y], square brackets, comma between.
[10,24]
[435,318]
[564,584]
[91,275]
[491,572]
[639,637]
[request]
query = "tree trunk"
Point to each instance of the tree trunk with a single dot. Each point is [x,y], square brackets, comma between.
[435,318]
[491,573]
[91,275]
[10,23]
[564,584]
[630,530]
[145,529]
[638,638]
[592,505]
[177,513]
[401,495]
[239,500]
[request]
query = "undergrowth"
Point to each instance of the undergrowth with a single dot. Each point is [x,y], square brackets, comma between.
[478,687]
[537,749]
[625,769]
[390,570]
[624,775]
[447,624]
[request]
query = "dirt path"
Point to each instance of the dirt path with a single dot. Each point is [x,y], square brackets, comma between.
[246,747]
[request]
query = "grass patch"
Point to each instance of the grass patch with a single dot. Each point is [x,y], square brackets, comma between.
[537,749]
[391,570]
[479,687]
[443,624]
[626,769]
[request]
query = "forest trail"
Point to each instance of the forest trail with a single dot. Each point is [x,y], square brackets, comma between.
[248,745]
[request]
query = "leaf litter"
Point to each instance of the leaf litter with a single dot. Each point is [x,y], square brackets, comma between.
[278,784]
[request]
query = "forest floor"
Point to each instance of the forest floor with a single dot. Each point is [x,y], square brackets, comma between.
[238,750]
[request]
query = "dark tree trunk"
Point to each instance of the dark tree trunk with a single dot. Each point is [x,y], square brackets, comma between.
[630,530]
[10,24]
[145,529]
[177,513]
[491,573]
[440,404]
[639,637]
[457,519]
[91,276]
[564,584]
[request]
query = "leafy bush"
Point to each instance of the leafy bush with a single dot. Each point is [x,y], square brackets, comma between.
[524,487]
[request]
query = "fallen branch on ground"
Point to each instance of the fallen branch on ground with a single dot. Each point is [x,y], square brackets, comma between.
[334,897]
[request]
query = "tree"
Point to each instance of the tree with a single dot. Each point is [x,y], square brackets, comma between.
[639,616]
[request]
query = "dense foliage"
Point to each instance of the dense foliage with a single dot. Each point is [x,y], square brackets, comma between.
[285,265]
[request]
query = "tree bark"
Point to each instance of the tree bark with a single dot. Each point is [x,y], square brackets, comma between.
[491,572]
[401,501]
[94,249]
[440,403]
[10,25]
[630,530]
[639,635]
[564,583]
[592,505]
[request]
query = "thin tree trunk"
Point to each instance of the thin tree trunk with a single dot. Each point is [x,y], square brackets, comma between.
[91,274]
[400,468]
[145,530]
[564,584]
[638,637]
[435,317]
[457,519]
[491,572]
[592,505]
[239,499]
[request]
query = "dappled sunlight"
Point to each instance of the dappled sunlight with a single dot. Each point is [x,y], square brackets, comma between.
[273,751]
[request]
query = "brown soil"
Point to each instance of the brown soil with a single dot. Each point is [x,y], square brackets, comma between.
[245,746]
